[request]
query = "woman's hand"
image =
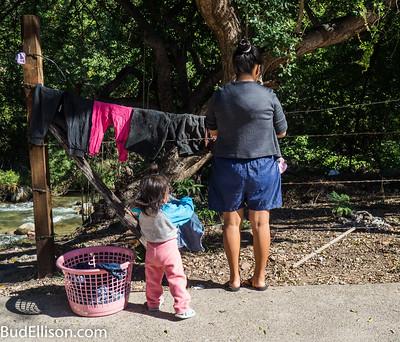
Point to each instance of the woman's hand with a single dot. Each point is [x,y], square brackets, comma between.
[281,135]
[213,134]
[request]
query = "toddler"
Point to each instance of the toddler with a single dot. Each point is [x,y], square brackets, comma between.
[156,222]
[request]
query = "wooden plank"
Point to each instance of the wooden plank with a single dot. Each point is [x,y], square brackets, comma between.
[38,155]
[319,250]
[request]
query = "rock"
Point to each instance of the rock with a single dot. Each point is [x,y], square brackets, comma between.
[21,194]
[31,235]
[245,266]
[25,228]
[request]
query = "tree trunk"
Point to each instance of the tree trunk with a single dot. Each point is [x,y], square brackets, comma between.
[221,19]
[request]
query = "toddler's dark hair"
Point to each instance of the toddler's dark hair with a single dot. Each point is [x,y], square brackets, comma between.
[152,190]
[245,57]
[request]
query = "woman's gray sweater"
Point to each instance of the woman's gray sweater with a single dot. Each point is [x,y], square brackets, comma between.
[248,117]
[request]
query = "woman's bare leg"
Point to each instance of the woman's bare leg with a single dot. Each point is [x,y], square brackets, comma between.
[231,233]
[261,243]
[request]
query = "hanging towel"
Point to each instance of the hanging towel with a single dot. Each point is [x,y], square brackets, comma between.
[105,115]
[188,131]
[150,130]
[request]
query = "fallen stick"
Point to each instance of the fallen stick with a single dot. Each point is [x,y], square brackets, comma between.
[319,250]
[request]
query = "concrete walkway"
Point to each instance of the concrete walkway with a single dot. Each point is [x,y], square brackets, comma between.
[305,313]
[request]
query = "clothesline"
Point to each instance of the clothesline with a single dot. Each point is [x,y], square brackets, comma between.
[20,58]
[288,136]
[394,180]
[301,135]
[352,105]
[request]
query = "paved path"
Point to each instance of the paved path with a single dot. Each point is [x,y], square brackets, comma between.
[303,313]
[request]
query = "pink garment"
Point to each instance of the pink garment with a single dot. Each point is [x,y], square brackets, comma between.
[282,165]
[165,257]
[105,114]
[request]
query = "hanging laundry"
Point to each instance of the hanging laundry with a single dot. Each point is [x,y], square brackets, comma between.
[188,131]
[46,105]
[151,129]
[107,114]
[78,116]
[71,113]
[148,132]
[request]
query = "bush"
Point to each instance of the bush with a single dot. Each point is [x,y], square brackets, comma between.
[341,204]
[9,179]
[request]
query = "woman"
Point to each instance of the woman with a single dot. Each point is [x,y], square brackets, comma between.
[245,119]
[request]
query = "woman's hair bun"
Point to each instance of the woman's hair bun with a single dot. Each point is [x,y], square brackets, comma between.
[244,45]
[153,169]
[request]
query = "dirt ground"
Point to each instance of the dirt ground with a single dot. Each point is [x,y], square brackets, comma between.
[367,255]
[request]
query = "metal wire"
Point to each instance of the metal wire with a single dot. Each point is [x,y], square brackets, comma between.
[344,182]
[341,107]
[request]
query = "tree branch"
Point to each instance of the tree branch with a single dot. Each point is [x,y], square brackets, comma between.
[204,89]
[109,87]
[314,20]
[337,31]
[300,16]
[159,46]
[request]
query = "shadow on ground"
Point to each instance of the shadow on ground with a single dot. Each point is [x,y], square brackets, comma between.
[40,301]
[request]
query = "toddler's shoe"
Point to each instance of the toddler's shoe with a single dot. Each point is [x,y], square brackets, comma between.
[187,314]
[156,308]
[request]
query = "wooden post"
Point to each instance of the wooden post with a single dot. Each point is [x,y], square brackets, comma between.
[38,155]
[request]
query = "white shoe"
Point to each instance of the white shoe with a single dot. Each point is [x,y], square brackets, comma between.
[156,308]
[187,314]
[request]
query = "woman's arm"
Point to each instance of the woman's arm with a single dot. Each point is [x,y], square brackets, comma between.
[280,123]
[211,120]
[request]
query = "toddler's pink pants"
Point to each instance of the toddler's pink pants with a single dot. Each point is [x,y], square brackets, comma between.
[165,258]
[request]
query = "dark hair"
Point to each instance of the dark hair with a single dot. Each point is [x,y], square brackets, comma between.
[245,57]
[152,189]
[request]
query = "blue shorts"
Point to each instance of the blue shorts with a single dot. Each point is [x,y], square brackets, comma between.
[235,183]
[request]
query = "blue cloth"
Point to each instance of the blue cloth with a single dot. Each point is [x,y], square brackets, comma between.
[111,267]
[235,183]
[190,235]
[180,212]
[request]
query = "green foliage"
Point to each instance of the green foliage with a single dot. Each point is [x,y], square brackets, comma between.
[62,169]
[341,204]
[93,41]
[271,23]
[9,179]
[207,216]
[187,187]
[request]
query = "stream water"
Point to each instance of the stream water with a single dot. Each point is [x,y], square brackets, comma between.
[65,216]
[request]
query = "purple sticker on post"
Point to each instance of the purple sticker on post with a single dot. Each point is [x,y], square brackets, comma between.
[20,58]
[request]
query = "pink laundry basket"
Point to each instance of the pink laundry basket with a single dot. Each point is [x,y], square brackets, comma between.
[95,292]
